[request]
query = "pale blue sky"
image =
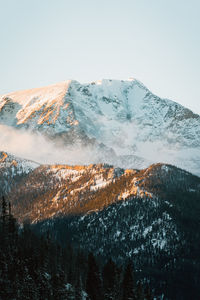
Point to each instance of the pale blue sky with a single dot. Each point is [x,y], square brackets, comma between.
[155,41]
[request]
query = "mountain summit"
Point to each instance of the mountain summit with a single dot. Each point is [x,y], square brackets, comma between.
[121,121]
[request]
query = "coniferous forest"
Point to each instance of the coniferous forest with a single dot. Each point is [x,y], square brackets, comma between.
[34,266]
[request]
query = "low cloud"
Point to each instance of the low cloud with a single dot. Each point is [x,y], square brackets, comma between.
[36,147]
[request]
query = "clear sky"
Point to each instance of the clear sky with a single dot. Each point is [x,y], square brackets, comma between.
[155,41]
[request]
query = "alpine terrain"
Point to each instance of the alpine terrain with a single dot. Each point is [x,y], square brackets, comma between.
[123,184]
[117,122]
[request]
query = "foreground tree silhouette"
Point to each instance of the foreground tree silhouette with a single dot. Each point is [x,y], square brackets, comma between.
[128,289]
[109,276]
[33,266]
[93,282]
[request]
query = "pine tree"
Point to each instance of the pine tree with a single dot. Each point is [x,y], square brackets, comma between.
[28,288]
[93,282]
[4,214]
[128,292]
[139,292]
[58,285]
[78,289]
[148,295]
[4,207]
[4,222]
[12,226]
[109,280]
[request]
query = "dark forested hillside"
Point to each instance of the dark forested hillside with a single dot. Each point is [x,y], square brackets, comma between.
[161,240]
[149,217]
[36,267]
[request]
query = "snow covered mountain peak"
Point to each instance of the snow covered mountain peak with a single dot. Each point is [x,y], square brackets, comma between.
[122,115]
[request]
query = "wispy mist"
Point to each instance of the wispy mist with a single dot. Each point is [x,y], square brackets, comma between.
[36,147]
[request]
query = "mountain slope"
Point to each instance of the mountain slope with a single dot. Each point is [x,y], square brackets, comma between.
[110,116]
[12,170]
[50,191]
[150,216]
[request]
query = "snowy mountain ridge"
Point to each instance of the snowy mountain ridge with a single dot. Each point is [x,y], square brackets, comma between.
[54,190]
[123,117]
[12,169]
[20,165]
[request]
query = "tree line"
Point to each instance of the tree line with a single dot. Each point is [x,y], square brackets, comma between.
[34,266]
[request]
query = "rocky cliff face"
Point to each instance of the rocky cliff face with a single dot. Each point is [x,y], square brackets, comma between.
[121,122]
